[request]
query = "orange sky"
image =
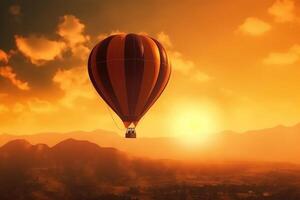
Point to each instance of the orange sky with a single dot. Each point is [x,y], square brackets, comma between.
[235,66]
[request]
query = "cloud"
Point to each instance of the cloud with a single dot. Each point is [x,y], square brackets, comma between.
[181,64]
[164,39]
[283,10]
[3,57]
[75,83]
[283,58]
[254,26]
[40,106]
[39,49]
[7,72]
[35,105]
[15,10]
[201,77]
[81,52]
[102,36]
[187,67]
[71,29]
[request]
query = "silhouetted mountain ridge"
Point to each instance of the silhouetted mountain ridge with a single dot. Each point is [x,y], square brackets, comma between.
[279,143]
[74,169]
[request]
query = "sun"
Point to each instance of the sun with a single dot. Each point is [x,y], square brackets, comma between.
[195,124]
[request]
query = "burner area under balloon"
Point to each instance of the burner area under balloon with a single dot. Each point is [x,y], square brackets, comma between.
[130,133]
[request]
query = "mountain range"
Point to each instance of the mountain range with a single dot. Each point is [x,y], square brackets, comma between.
[71,169]
[76,170]
[279,144]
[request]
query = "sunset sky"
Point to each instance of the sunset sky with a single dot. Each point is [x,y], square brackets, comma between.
[235,64]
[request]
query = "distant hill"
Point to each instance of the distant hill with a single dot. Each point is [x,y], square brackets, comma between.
[279,143]
[274,144]
[74,169]
[70,169]
[144,147]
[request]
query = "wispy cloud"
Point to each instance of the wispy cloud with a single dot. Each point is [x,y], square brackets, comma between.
[179,63]
[7,72]
[40,106]
[4,57]
[283,11]
[254,27]
[165,39]
[291,56]
[71,29]
[39,49]
[75,84]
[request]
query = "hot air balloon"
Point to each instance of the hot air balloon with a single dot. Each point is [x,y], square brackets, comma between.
[129,72]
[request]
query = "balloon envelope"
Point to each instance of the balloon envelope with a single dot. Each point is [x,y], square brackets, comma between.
[129,71]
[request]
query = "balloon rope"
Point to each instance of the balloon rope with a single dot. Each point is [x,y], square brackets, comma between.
[112,117]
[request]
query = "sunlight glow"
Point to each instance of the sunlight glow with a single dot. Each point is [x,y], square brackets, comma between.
[195,124]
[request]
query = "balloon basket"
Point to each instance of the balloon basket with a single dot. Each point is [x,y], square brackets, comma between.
[130,133]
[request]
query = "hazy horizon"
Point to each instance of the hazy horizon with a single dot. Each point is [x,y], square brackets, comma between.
[277,144]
